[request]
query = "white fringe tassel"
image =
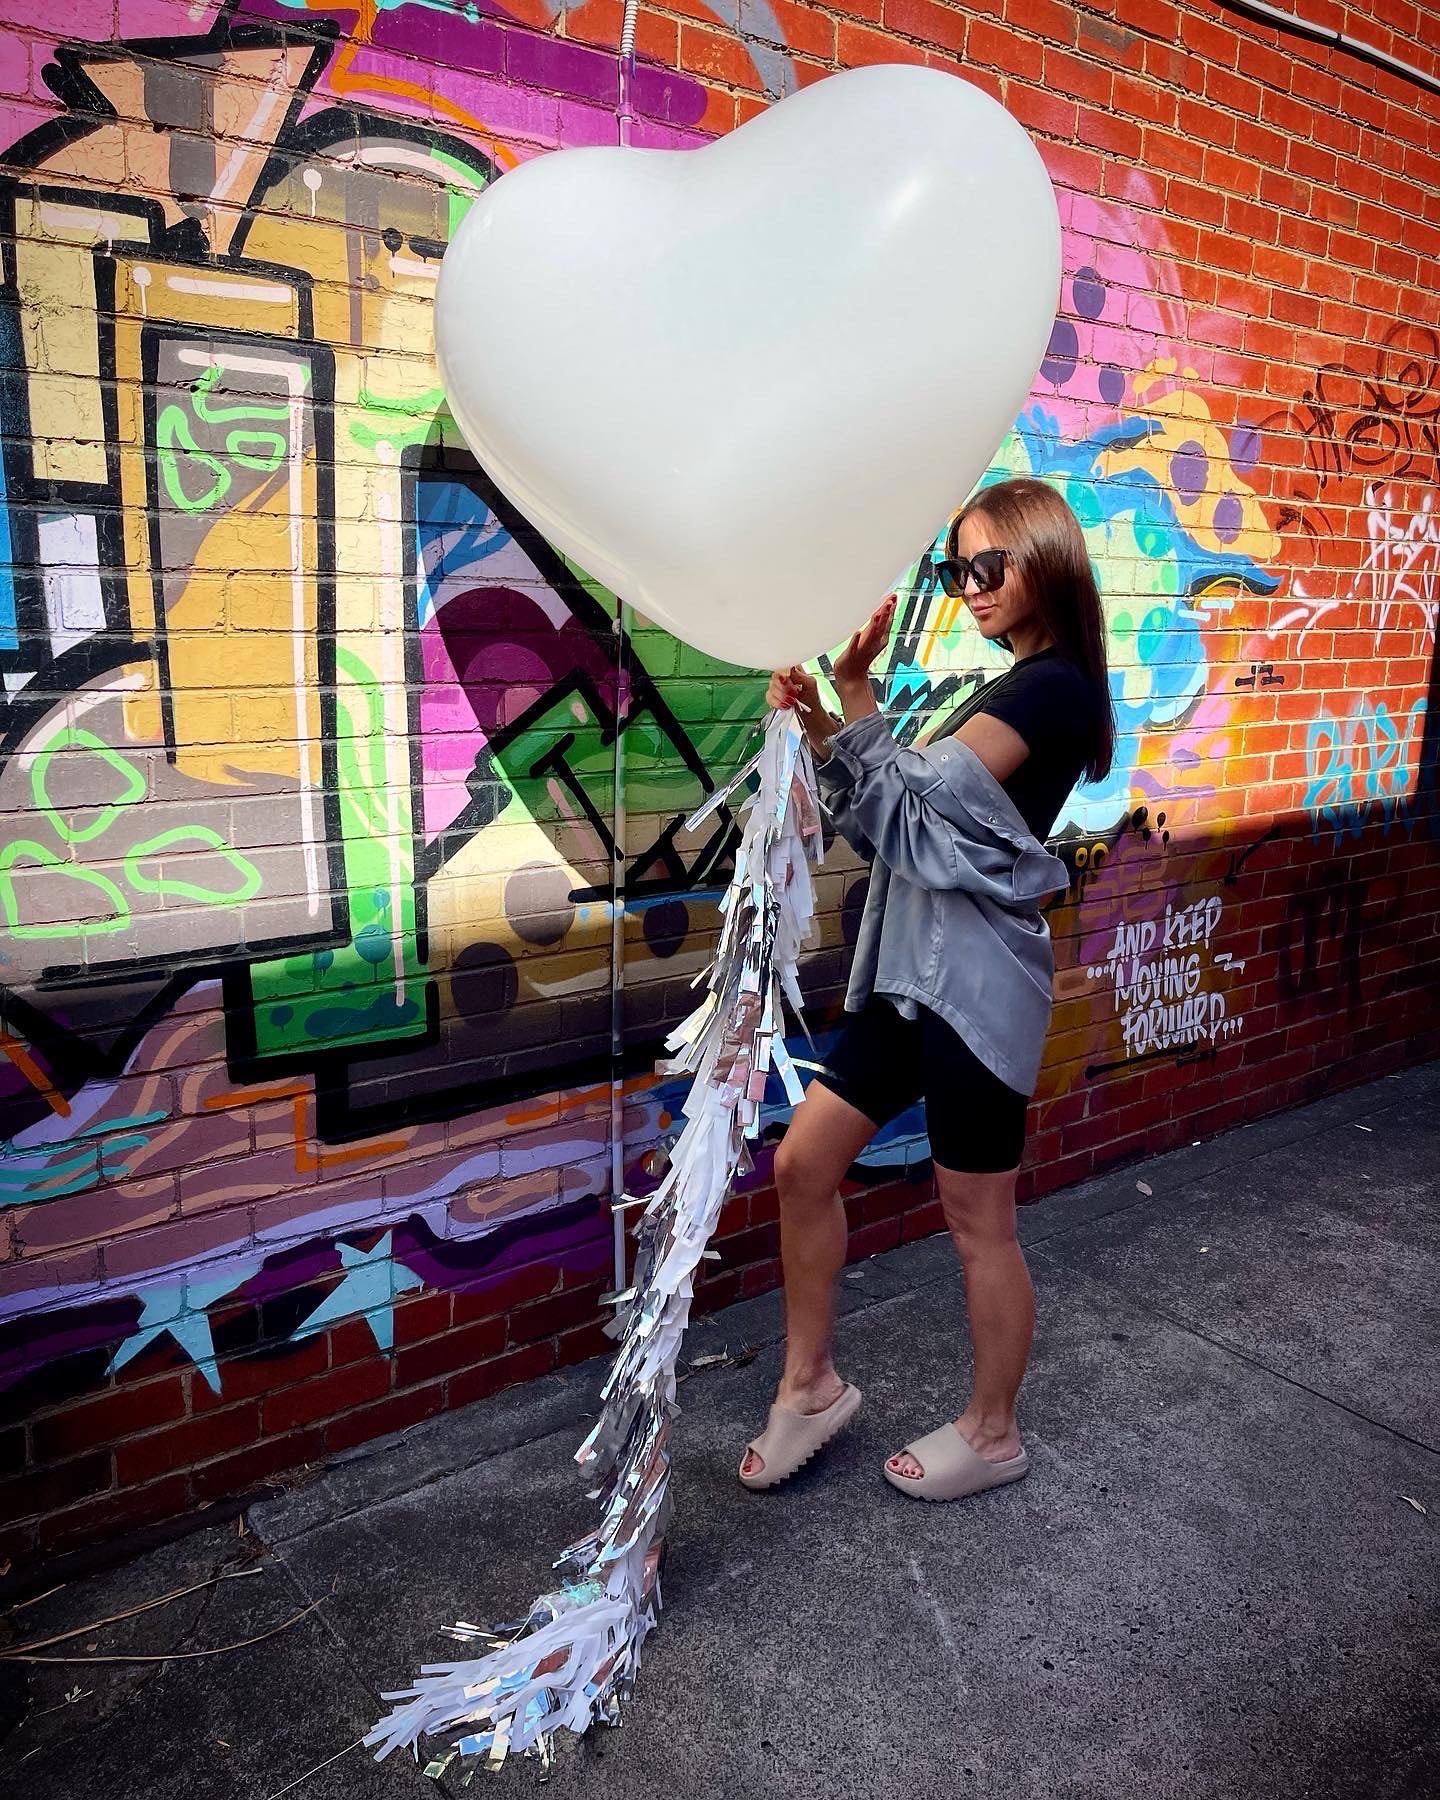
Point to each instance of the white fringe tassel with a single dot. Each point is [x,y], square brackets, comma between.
[573,1659]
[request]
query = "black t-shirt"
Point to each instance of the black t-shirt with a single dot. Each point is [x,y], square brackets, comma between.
[1055,707]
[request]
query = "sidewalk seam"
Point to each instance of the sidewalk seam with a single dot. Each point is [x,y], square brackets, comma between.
[1229,1349]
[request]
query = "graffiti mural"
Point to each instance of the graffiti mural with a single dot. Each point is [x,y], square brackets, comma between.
[312,1001]
[308,737]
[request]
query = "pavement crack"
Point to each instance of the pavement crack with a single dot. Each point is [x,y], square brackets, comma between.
[942,1624]
[1190,1329]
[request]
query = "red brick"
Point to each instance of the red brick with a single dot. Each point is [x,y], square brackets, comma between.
[231,1477]
[245,1377]
[1236,174]
[931,23]
[420,1316]
[1235,92]
[112,1515]
[856,47]
[1078,170]
[1144,100]
[457,1349]
[1069,74]
[99,1423]
[46,1490]
[717,1287]
[1201,123]
[1049,19]
[526,1364]
[324,1396]
[582,1344]
[1295,309]
[1122,49]
[874,1240]
[1038,110]
[351,1340]
[1108,132]
[719,56]
[1166,151]
[504,1293]
[1209,38]
[1250,219]
[1155,18]
[1270,66]
[561,1312]
[805,30]
[759,1278]
[181,1446]
[998,47]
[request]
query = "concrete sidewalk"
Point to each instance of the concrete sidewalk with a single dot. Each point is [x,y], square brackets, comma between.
[1211,1584]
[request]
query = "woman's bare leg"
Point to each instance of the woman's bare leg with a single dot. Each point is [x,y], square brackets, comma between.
[824,1137]
[1000,1301]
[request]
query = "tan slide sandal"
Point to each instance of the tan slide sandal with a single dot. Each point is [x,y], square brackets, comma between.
[952,1468]
[790,1439]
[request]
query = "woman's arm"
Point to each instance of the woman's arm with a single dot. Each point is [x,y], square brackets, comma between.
[906,808]
[998,745]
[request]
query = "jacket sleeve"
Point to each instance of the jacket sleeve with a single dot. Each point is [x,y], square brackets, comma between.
[933,823]
[836,781]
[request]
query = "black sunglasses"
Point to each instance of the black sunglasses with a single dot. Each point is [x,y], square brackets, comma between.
[987,570]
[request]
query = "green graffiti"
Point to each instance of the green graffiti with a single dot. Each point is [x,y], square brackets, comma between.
[70,738]
[172,433]
[373,989]
[172,428]
[264,461]
[37,856]
[415,419]
[222,415]
[250,877]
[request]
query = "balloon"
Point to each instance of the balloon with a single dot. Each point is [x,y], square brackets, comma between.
[744,385]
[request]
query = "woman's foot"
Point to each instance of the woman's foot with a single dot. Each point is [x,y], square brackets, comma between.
[815,1397]
[996,1444]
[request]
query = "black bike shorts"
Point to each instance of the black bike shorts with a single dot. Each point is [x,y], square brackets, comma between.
[882,1063]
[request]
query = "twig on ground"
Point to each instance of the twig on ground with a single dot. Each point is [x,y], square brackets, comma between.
[173,1655]
[21,1651]
[35,1599]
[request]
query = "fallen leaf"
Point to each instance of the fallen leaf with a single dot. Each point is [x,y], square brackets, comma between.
[1144,1187]
[1410,1500]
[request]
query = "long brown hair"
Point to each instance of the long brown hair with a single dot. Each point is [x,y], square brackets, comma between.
[1032,521]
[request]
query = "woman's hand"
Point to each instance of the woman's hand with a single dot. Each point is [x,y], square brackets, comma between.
[787,686]
[796,687]
[852,665]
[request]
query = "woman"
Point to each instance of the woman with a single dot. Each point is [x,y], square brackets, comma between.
[950,995]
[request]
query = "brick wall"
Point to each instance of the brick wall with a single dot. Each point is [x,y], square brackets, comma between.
[306,785]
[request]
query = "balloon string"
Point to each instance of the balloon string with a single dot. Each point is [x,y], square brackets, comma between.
[617,863]
[627,68]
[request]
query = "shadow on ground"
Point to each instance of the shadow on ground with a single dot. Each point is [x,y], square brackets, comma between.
[1212,1584]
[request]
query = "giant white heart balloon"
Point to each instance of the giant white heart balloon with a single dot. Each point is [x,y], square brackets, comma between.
[744,385]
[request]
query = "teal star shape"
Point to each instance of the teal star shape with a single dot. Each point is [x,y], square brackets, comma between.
[181,1312]
[373,1279]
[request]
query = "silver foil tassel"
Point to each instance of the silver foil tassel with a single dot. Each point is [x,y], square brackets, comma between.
[572,1661]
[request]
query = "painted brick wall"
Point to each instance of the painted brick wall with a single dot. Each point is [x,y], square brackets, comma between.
[306,821]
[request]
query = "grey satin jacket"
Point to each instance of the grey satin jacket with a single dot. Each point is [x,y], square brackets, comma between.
[952,920]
